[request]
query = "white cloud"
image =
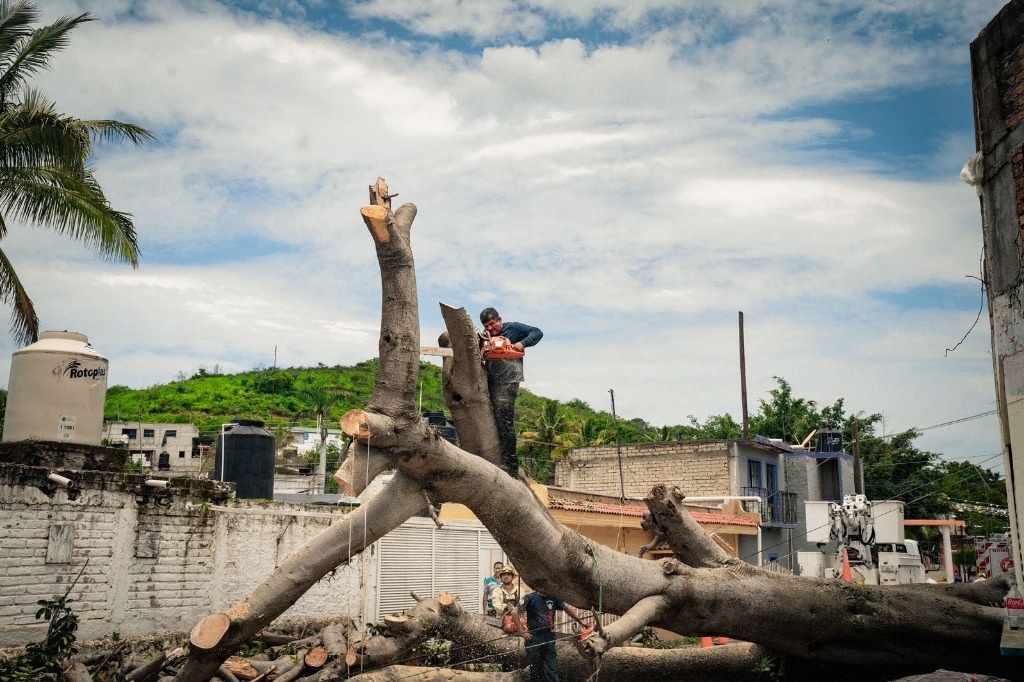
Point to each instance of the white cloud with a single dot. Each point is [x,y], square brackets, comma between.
[625,175]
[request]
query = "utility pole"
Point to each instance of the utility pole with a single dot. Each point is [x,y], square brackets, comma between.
[743,382]
[618,449]
[858,471]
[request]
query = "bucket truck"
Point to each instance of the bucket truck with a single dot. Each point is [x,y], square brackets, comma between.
[872,535]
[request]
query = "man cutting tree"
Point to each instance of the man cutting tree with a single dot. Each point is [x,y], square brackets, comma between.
[503,362]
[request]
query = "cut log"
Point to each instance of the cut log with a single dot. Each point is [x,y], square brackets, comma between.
[316,658]
[275,638]
[241,668]
[396,624]
[295,671]
[335,640]
[408,673]
[209,632]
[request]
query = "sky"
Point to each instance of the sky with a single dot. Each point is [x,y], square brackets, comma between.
[626,175]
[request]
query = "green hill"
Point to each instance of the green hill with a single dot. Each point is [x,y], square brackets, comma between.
[279,397]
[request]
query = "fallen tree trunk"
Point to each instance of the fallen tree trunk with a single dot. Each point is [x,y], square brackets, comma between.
[876,629]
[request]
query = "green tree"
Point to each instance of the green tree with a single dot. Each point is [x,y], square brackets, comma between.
[543,435]
[45,176]
[318,398]
[585,432]
[784,416]
[715,427]
[664,434]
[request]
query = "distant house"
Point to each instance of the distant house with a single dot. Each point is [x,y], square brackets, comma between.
[174,449]
[751,471]
[306,439]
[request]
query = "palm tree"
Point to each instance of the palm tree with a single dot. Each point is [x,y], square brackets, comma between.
[586,432]
[665,434]
[45,177]
[546,429]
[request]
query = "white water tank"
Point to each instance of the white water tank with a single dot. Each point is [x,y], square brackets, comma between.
[56,392]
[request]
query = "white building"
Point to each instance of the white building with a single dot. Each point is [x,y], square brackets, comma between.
[168,448]
[306,439]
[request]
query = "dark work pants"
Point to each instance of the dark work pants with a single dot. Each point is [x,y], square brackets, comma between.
[503,404]
[540,651]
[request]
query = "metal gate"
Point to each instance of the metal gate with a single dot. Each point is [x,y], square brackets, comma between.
[422,558]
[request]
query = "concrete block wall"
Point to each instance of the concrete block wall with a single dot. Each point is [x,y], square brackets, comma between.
[697,468]
[997,69]
[151,560]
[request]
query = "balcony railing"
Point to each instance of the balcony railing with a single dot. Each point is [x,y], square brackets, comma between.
[777,507]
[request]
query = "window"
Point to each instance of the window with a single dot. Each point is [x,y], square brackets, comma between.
[171,433]
[131,433]
[771,476]
[754,473]
[181,454]
[148,433]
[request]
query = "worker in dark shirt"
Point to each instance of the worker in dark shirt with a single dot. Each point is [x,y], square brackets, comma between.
[503,377]
[539,611]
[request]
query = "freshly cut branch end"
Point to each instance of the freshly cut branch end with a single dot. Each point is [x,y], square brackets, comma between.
[353,423]
[209,632]
[376,218]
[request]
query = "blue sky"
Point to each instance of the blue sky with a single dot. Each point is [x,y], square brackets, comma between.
[625,175]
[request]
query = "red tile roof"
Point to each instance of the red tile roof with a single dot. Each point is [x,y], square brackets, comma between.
[701,517]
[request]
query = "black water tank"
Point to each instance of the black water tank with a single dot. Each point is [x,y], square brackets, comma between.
[164,463]
[249,450]
[829,440]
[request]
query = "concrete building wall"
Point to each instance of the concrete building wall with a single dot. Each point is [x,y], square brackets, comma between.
[151,559]
[153,438]
[701,468]
[997,65]
[804,476]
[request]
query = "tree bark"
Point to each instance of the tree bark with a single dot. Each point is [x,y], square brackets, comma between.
[702,592]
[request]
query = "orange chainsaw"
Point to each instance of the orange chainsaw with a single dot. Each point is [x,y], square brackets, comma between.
[499,348]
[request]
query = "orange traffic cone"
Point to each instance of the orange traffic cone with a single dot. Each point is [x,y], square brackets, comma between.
[847,573]
[706,642]
[723,640]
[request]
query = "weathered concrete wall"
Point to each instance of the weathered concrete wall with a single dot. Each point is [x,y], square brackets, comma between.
[997,64]
[699,468]
[152,560]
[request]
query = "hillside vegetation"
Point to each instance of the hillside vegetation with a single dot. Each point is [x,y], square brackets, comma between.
[278,397]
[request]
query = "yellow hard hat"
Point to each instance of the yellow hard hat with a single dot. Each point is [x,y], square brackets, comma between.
[507,569]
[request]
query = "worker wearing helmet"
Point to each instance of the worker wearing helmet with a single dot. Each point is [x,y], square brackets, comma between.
[505,597]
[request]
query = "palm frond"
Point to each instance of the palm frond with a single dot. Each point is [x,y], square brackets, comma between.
[37,136]
[24,322]
[71,205]
[35,52]
[16,19]
[116,130]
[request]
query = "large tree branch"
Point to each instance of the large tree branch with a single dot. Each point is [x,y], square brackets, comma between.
[465,387]
[687,539]
[302,568]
